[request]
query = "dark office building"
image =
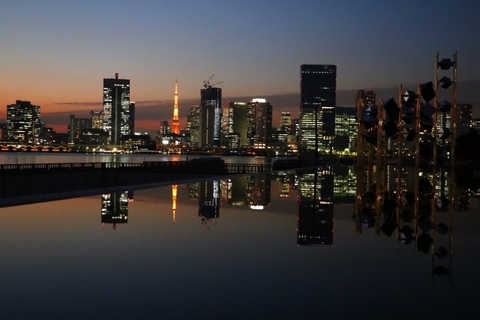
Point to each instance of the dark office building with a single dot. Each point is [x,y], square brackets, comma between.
[131,120]
[3,131]
[165,128]
[76,126]
[210,117]
[118,111]
[317,107]
[235,124]
[94,137]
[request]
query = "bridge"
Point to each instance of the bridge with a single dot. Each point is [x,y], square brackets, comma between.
[30,183]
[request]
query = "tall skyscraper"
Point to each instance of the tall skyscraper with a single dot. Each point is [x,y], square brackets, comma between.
[235,119]
[193,126]
[286,122]
[262,121]
[117,108]
[251,125]
[175,122]
[23,122]
[317,107]
[210,116]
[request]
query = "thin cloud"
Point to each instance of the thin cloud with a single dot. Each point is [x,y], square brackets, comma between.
[78,103]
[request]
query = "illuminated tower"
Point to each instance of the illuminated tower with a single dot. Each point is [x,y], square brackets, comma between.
[175,128]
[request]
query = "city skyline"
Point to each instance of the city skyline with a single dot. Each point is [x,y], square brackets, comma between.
[57,57]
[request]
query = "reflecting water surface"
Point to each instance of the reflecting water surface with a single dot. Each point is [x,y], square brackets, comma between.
[292,245]
[70,157]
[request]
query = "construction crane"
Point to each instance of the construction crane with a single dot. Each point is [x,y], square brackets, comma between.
[214,84]
[207,84]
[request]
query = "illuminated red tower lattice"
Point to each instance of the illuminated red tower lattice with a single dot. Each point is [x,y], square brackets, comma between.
[175,128]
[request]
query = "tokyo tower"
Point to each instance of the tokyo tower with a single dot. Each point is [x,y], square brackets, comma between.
[175,128]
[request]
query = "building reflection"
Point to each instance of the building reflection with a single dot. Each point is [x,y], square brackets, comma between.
[234,191]
[254,191]
[315,207]
[115,207]
[344,184]
[193,190]
[414,205]
[259,191]
[287,181]
[209,200]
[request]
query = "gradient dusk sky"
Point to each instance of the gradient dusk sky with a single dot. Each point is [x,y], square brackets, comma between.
[55,53]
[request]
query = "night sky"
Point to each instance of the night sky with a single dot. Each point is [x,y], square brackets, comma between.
[55,53]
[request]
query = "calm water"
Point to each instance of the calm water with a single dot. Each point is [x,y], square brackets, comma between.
[45,157]
[214,257]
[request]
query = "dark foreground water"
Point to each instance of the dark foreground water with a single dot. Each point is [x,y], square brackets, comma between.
[59,261]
